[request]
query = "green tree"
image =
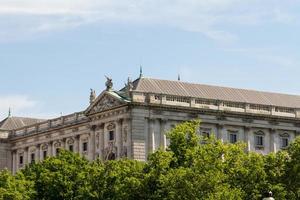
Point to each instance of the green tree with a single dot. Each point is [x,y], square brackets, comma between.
[291,177]
[61,177]
[15,187]
[118,180]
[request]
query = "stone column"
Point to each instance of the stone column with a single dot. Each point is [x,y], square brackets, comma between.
[101,141]
[273,142]
[17,161]
[37,151]
[119,137]
[163,137]
[91,146]
[14,164]
[220,131]
[247,137]
[129,138]
[26,157]
[50,149]
[146,131]
[151,136]
[78,144]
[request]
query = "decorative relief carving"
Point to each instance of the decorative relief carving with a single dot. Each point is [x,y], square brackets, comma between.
[105,103]
[111,126]
[57,144]
[44,146]
[286,135]
[71,141]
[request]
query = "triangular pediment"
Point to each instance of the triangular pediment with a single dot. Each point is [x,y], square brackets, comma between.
[104,102]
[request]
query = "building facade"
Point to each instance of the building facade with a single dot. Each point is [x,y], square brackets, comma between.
[132,122]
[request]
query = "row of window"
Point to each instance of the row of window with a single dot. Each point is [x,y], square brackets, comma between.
[259,139]
[178,99]
[111,136]
[45,153]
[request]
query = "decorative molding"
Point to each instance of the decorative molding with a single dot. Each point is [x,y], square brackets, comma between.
[111,126]
[273,122]
[247,120]
[285,135]
[221,117]
[105,103]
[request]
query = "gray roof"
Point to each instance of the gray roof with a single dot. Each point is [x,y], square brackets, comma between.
[178,88]
[11,123]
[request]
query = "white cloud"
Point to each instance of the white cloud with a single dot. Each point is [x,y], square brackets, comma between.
[21,17]
[17,103]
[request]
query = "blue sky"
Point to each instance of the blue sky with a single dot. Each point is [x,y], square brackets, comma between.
[52,51]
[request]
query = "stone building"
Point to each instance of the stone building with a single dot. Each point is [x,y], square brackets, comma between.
[132,122]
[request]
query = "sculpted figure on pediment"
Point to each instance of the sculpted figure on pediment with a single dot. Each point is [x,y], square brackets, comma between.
[105,104]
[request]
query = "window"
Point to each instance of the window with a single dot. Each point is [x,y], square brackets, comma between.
[57,151]
[206,102]
[259,140]
[232,138]
[205,134]
[71,148]
[111,135]
[178,99]
[32,156]
[85,146]
[284,110]
[260,107]
[21,160]
[284,142]
[44,154]
[234,105]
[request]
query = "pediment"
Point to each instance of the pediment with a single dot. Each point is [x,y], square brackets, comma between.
[104,102]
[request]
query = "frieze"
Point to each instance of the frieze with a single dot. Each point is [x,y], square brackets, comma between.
[273,122]
[297,124]
[193,115]
[221,117]
[247,120]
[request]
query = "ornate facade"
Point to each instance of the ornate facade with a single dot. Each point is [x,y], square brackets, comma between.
[132,122]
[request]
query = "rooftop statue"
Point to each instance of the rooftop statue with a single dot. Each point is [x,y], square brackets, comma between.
[108,84]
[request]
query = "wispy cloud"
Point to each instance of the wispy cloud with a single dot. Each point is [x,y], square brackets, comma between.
[24,106]
[17,103]
[204,16]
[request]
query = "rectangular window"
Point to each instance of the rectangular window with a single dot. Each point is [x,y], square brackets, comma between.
[57,151]
[21,160]
[205,134]
[232,138]
[284,142]
[259,140]
[85,146]
[32,156]
[111,135]
[71,148]
[44,154]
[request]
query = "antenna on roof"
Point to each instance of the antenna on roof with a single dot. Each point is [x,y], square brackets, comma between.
[179,77]
[9,112]
[141,71]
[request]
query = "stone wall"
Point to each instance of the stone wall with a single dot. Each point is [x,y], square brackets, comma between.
[5,154]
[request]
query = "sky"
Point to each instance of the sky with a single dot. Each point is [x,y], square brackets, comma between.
[53,51]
